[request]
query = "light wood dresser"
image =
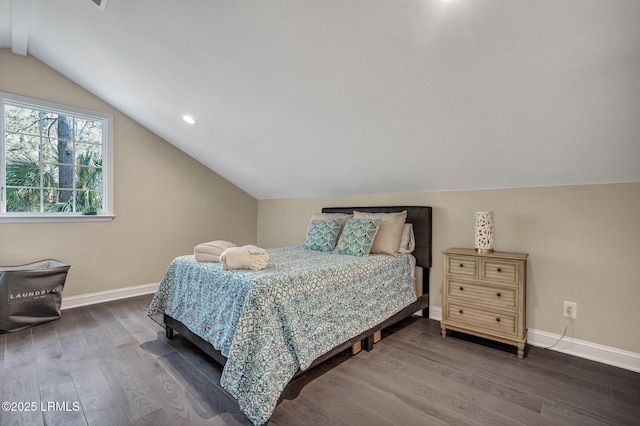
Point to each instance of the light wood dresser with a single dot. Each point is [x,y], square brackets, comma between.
[484,294]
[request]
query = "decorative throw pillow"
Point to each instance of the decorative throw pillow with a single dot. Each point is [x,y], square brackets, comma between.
[324,216]
[322,234]
[390,233]
[357,237]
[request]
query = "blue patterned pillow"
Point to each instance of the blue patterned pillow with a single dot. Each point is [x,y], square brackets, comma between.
[357,236]
[322,234]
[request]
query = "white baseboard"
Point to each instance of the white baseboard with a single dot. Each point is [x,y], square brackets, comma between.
[583,349]
[435,313]
[580,348]
[106,296]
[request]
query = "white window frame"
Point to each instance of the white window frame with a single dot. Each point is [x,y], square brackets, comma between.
[107,162]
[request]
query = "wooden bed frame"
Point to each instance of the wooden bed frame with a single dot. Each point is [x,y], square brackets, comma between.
[420,217]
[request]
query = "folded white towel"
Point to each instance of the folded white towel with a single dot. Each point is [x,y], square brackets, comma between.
[214,248]
[204,257]
[245,257]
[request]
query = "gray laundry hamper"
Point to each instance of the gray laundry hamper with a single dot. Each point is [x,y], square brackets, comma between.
[31,294]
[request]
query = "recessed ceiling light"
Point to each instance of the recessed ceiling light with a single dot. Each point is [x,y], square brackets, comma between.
[189,119]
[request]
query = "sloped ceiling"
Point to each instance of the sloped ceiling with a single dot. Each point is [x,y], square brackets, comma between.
[300,98]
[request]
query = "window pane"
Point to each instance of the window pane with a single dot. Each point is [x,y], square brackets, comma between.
[21,147]
[88,154]
[58,201]
[88,178]
[88,131]
[88,201]
[50,176]
[49,197]
[49,150]
[21,120]
[48,124]
[20,173]
[12,199]
[23,200]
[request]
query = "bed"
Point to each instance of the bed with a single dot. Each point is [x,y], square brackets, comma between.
[266,327]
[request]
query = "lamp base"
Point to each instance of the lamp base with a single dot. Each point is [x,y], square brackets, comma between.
[484,250]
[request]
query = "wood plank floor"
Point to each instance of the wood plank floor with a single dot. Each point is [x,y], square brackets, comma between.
[109,364]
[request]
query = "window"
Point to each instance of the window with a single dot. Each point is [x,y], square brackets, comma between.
[55,162]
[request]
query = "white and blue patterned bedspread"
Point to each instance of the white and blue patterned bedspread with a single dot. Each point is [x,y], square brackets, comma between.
[269,323]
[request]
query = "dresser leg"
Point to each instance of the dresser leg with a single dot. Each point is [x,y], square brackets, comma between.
[443,332]
[520,352]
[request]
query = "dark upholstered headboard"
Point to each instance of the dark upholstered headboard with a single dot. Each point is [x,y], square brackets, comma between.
[419,216]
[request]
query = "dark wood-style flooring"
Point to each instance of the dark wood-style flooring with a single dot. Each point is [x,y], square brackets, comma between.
[109,364]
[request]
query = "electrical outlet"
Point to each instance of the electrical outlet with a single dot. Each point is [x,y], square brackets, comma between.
[570,310]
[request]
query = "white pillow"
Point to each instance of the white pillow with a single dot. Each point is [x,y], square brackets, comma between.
[324,216]
[389,233]
[408,240]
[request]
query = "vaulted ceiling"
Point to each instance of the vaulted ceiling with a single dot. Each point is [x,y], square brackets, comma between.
[299,98]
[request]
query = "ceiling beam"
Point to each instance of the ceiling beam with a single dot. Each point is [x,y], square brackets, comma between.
[20,26]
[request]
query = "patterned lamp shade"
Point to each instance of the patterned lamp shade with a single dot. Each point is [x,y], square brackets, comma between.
[484,232]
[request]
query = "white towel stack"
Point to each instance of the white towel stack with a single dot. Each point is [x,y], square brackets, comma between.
[245,257]
[211,251]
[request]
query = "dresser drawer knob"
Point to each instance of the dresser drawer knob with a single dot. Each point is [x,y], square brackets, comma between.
[461,288]
[498,319]
[499,269]
[498,294]
[461,311]
[462,265]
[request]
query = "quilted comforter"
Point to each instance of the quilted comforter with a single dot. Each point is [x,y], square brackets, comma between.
[270,323]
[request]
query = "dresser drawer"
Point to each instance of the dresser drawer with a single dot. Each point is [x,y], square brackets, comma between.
[493,322]
[462,266]
[499,270]
[505,298]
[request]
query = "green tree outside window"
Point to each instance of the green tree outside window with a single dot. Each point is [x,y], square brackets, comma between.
[53,162]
